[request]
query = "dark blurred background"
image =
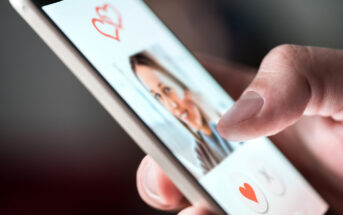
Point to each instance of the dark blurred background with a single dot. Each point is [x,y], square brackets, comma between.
[61,153]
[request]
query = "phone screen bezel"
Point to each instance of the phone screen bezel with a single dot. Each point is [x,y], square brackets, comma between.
[40,3]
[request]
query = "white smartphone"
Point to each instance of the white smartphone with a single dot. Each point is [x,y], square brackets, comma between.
[160,94]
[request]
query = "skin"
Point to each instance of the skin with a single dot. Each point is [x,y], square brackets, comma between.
[181,107]
[302,90]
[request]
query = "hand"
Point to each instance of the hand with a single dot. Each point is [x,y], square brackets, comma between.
[297,96]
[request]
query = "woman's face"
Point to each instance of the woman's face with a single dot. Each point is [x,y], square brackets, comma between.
[171,95]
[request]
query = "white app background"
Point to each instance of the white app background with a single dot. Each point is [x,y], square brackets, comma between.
[141,30]
[281,191]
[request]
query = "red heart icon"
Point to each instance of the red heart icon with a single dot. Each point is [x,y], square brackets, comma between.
[248,192]
[106,20]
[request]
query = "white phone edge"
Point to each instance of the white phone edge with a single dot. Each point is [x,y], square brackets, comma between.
[114,106]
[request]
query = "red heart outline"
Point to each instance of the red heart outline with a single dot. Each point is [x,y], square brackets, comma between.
[107,20]
[248,192]
[115,37]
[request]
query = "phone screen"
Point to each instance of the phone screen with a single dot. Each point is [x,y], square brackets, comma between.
[181,103]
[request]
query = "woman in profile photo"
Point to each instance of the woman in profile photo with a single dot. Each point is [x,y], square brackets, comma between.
[195,115]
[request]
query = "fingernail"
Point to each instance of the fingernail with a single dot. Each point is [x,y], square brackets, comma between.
[149,184]
[247,106]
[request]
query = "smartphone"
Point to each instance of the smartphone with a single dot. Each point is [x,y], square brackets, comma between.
[168,103]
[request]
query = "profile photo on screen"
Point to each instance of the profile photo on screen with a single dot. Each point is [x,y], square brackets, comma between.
[190,109]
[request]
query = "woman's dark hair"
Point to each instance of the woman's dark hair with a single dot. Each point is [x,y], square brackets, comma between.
[145,59]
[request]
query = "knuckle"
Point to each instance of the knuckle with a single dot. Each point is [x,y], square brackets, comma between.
[285,50]
[285,57]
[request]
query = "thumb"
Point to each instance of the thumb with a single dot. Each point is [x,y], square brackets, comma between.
[292,81]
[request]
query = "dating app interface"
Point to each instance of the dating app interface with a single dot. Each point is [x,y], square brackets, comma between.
[182,104]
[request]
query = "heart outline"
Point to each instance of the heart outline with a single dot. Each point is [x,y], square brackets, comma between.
[103,19]
[115,37]
[108,19]
[248,192]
